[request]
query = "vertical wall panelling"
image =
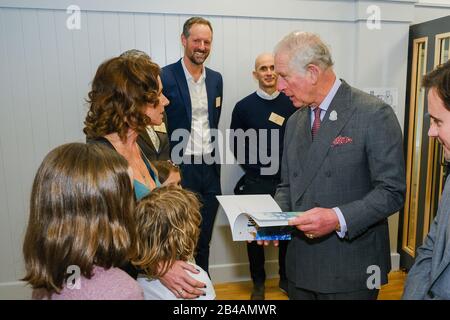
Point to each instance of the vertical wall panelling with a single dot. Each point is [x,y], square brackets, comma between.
[142,32]
[270,38]
[126,31]
[67,75]
[245,59]
[52,85]
[111,31]
[216,57]
[158,39]
[232,75]
[97,41]
[83,76]
[172,34]
[20,165]
[7,138]
[35,84]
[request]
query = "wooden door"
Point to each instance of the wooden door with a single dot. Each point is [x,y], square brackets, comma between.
[425,168]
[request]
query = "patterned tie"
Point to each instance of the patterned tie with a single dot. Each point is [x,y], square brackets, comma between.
[316,123]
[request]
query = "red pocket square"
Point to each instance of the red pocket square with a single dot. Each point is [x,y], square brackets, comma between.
[341,140]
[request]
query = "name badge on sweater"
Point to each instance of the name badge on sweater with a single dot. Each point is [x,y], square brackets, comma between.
[160,128]
[276,118]
[218,102]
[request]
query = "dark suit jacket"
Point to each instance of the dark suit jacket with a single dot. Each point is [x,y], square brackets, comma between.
[179,110]
[429,278]
[362,172]
[147,147]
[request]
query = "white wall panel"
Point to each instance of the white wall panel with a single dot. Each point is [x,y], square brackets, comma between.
[111,31]
[97,40]
[172,32]
[142,32]
[35,83]
[20,163]
[50,77]
[7,136]
[158,40]
[126,31]
[83,73]
[67,76]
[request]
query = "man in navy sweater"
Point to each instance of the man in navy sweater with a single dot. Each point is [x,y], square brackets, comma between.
[265,111]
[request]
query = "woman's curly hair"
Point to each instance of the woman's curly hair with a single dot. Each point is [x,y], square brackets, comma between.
[121,90]
[168,224]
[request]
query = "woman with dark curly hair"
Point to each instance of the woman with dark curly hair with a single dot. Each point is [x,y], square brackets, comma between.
[126,96]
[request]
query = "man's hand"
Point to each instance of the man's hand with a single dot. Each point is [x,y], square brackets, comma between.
[316,223]
[265,242]
[181,283]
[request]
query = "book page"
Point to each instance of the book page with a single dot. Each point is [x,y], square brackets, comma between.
[270,219]
[236,208]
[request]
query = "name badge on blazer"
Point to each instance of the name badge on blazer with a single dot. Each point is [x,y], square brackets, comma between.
[160,128]
[276,118]
[218,101]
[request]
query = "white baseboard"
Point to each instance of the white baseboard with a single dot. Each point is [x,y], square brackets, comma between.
[395,261]
[234,272]
[14,291]
[220,273]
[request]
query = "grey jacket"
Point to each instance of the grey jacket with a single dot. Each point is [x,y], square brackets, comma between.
[429,278]
[355,163]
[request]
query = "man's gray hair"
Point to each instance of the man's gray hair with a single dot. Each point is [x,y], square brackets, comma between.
[304,48]
[135,53]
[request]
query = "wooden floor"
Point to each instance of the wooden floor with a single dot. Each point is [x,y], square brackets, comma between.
[241,290]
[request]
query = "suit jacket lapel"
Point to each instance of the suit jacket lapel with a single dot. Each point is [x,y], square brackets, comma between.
[210,92]
[303,130]
[329,130]
[147,139]
[180,78]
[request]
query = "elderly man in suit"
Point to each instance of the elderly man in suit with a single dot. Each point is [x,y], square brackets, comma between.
[343,166]
[429,277]
[195,95]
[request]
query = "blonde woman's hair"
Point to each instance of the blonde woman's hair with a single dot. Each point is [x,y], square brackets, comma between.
[80,214]
[168,224]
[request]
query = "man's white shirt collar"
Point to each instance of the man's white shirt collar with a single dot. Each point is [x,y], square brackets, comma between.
[330,96]
[189,76]
[264,95]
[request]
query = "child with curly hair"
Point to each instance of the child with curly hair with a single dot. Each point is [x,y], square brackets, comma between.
[168,222]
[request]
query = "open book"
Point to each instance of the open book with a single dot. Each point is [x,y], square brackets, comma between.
[256,217]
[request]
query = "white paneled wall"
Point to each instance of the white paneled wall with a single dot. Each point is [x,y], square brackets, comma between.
[46,70]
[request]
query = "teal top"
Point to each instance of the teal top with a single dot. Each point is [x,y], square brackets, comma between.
[140,189]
